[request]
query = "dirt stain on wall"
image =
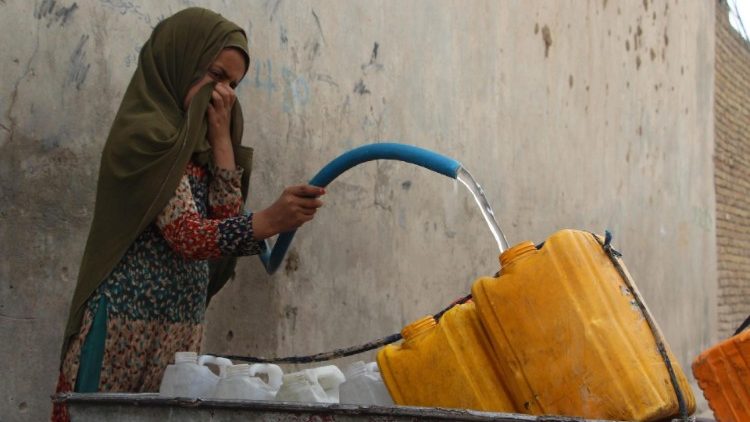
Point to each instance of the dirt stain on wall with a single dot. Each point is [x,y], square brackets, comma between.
[547,38]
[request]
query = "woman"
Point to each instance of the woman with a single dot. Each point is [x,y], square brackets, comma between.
[168,217]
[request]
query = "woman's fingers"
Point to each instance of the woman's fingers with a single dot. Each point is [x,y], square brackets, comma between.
[309,203]
[226,93]
[217,100]
[296,206]
[308,212]
[306,191]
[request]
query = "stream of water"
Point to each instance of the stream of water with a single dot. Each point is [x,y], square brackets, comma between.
[489,216]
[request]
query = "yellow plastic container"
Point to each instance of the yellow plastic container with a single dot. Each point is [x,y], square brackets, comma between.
[569,336]
[723,373]
[446,364]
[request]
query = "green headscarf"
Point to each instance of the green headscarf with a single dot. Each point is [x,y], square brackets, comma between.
[151,142]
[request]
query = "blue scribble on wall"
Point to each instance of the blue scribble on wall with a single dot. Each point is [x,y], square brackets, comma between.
[121,6]
[127,7]
[297,91]
[266,83]
[132,58]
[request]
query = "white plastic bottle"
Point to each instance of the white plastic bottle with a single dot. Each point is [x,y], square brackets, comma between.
[185,378]
[364,385]
[312,385]
[242,383]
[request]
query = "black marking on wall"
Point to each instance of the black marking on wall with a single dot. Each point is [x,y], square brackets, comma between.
[360,88]
[54,13]
[79,68]
[373,63]
[320,27]
[275,9]
[282,35]
[547,38]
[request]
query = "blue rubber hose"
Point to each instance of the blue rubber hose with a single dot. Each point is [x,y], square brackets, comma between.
[272,258]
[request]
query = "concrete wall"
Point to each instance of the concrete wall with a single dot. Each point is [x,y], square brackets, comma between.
[583,114]
[732,161]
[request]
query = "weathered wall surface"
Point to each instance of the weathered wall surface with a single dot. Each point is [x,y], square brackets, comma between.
[583,114]
[732,170]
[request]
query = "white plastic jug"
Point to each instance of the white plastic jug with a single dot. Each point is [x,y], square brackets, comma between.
[185,378]
[312,385]
[241,382]
[364,385]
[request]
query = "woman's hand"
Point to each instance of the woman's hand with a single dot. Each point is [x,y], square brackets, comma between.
[219,121]
[296,206]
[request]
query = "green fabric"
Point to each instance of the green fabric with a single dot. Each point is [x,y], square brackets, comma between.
[92,352]
[151,141]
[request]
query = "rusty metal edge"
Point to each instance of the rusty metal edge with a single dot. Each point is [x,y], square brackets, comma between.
[155,400]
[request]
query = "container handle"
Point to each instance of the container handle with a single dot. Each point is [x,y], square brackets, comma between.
[214,360]
[328,376]
[207,359]
[274,372]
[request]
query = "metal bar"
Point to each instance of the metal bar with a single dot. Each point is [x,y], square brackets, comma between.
[114,407]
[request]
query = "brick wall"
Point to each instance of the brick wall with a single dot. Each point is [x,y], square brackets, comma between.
[732,172]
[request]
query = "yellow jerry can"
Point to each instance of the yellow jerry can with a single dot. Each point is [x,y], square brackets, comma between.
[723,373]
[445,364]
[570,336]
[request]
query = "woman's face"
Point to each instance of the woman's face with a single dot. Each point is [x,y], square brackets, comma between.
[228,68]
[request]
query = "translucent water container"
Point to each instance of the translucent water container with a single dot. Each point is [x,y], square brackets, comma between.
[364,385]
[186,378]
[446,364]
[723,373]
[243,382]
[312,385]
[570,337]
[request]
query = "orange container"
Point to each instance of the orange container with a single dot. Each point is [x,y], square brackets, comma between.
[570,337]
[723,373]
[445,364]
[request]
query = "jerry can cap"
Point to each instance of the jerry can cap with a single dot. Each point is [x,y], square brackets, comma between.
[516,252]
[417,327]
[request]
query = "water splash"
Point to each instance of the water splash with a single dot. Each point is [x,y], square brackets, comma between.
[489,216]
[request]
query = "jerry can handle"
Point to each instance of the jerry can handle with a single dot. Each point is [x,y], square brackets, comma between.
[274,372]
[206,359]
[328,376]
[214,360]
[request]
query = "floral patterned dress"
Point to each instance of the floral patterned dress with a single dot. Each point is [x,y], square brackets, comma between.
[154,301]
